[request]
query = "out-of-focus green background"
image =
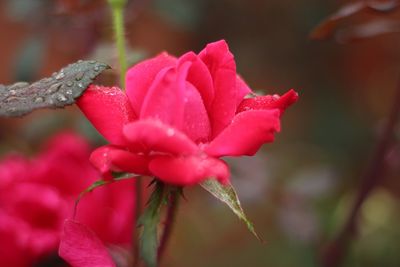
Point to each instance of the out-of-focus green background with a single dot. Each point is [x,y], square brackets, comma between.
[297,191]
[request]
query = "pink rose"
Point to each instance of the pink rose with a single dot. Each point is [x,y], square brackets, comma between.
[179,116]
[37,195]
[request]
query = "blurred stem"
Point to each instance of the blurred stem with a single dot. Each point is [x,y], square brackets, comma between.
[169,222]
[117,7]
[135,232]
[334,253]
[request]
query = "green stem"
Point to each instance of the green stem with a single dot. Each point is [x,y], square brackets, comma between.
[135,231]
[117,7]
[170,220]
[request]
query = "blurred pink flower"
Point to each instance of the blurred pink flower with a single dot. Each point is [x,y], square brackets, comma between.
[180,115]
[37,195]
[80,247]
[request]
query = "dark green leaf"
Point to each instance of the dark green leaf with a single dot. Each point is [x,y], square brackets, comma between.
[227,194]
[57,91]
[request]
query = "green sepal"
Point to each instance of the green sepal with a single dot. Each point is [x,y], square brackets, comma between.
[227,194]
[149,220]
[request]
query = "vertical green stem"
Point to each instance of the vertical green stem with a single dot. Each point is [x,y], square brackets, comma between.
[135,231]
[117,7]
[170,220]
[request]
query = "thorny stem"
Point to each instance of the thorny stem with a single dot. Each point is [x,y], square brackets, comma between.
[334,253]
[117,7]
[169,222]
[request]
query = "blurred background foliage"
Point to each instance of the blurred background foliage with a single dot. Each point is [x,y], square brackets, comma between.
[299,190]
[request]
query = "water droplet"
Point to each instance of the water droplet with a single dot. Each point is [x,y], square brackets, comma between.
[80,85]
[170,132]
[54,88]
[275,97]
[68,92]
[203,156]
[18,85]
[60,75]
[11,99]
[96,68]
[38,100]
[79,76]
[61,98]
[46,80]
[12,109]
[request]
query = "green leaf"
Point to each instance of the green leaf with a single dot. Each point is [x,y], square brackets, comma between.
[150,218]
[57,91]
[227,194]
[99,183]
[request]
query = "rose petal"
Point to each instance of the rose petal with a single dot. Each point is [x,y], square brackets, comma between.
[159,137]
[197,125]
[140,77]
[269,102]
[108,109]
[243,89]
[110,158]
[80,247]
[200,77]
[13,232]
[39,205]
[165,98]
[222,67]
[245,135]
[109,211]
[188,170]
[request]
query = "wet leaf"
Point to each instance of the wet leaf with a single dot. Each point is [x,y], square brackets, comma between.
[149,220]
[57,91]
[227,194]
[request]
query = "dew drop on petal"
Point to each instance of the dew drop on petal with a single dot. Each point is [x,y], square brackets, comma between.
[170,132]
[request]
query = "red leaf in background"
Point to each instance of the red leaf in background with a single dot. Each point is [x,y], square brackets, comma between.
[329,27]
